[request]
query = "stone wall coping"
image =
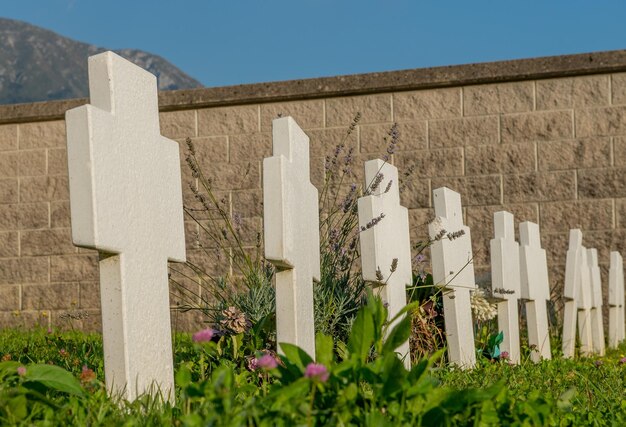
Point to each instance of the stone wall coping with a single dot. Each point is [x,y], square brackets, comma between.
[356,84]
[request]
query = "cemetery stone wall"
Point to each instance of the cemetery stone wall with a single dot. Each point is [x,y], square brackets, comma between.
[542,138]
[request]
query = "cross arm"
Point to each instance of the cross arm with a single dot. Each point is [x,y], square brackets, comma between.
[81,125]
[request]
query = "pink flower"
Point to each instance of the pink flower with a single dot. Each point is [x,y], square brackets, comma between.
[21,371]
[504,355]
[267,361]
[622,360]
[316,371]
[204,335]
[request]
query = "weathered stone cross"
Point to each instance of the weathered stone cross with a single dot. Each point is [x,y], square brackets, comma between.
[505,281]
[386,241]
[535,289]
[585,303]
[571,291]
[597,322]
[291,229]
[453,269]
[616,300]
[126,202]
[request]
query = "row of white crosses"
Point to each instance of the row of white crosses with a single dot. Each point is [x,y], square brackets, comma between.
[583,300]
[126,202]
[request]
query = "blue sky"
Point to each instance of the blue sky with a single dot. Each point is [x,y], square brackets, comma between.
[244,41]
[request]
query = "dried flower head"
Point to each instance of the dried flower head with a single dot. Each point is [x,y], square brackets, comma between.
[87,375]
[394,265]
[455,234]
[373,222]
[235,320]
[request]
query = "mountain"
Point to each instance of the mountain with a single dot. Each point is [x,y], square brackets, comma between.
[39,65]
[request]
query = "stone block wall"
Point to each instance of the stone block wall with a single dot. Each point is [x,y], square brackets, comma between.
[543,138]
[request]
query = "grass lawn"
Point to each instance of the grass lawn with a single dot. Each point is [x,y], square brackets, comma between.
[216,387]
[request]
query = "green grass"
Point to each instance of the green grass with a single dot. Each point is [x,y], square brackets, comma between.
[557,392]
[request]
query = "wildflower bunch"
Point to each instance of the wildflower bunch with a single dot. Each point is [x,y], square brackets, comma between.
[482,309]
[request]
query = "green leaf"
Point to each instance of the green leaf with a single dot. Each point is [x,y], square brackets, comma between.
[398,335]
[53,377]
[17,407]
[394,375]
[296,355]
[324,349]
[362,335]
[183,376]
[406,309]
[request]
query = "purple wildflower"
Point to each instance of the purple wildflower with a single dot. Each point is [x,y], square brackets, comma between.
[267,361]
[504,355]
[204,335]
[622,360]
[21,371]
[317,372]
[598,363]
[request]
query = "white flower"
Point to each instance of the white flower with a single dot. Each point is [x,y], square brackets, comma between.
[483,310]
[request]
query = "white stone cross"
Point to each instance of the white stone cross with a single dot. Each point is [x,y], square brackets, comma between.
[386,241]
[597,322]
[570,291]
[453,269]
[585,304]
[616,300]
[505,281]
[535,289]
[291,229]
[126,202]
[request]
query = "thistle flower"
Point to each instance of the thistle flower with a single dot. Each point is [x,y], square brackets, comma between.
[267,361]
[204,335]
[316,372]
